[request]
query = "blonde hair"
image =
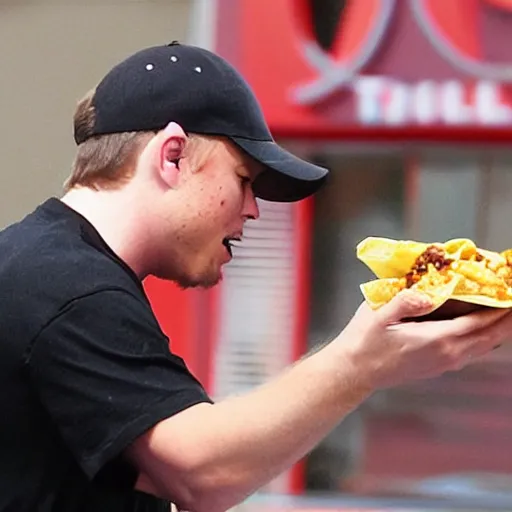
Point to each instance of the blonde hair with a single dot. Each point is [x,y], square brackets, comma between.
[109,161]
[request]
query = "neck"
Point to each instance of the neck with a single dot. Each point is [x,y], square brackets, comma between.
[123,225]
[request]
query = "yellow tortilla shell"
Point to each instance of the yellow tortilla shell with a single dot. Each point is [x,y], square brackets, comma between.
[483,300]
[390,260]
[380,291]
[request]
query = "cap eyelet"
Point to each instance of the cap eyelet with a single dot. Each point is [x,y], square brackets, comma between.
[198,69]
[149,67]
[174,58]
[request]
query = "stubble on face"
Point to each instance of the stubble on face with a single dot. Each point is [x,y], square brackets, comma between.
[213,211]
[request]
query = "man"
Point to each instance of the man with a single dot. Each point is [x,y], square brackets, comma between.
[98,414]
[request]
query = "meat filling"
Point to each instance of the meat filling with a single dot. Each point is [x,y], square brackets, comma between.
[433,255]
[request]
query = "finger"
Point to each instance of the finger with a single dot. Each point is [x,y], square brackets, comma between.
[466,324]
[489,338]
[461,352]
[405,304]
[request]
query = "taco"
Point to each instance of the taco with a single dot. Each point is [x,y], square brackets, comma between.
[456,270]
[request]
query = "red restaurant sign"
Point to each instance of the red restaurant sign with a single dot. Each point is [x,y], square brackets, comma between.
[393,64]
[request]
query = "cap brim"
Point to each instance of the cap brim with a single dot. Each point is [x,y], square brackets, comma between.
[286,177]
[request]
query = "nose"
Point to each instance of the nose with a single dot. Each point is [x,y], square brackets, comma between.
[250,210]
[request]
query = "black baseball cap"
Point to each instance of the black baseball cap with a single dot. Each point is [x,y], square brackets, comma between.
[206,95]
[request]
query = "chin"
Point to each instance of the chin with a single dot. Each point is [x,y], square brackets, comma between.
[199,281]
[192,278]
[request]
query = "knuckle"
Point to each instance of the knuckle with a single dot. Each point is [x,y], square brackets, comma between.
[444,347]
[486,339]
[454,361]
[448,354]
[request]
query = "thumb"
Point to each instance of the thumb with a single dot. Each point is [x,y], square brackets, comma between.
[405,304]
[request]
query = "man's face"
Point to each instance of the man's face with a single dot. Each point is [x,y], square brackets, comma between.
[215,200]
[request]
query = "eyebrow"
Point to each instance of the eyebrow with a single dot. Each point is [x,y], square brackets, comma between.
[250,168]
[244,168]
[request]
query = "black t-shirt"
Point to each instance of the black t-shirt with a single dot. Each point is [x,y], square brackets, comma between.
[84,369]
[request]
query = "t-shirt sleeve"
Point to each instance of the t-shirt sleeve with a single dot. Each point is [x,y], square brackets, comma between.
[104,373]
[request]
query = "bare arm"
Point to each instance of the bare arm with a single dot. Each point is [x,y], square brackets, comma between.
[210,457]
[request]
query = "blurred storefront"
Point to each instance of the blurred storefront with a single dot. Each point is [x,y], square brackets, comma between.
[409,102]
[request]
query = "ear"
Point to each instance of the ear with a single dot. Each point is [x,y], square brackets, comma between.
[171,150]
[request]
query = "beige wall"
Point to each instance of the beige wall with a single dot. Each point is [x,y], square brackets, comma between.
[52,52]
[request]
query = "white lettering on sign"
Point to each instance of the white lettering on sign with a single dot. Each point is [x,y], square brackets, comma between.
[383,101]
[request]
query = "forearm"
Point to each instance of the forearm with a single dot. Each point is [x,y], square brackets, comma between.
[236,446]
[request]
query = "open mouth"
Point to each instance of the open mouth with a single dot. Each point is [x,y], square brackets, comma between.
[228,243]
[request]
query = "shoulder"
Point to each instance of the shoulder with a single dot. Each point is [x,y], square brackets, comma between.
[112,307]
[104,324]
[47,263]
